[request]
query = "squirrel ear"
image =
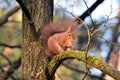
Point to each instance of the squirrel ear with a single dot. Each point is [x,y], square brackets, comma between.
[69,29]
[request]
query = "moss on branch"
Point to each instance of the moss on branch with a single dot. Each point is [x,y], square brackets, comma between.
[91,60]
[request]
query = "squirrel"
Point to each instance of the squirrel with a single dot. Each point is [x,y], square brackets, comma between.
[58,36]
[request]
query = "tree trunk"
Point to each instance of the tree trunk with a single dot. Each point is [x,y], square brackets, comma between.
[33,57]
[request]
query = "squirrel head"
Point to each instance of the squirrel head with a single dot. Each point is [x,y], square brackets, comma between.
[68,38]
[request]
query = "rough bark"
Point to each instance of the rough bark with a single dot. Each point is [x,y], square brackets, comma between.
[33,58]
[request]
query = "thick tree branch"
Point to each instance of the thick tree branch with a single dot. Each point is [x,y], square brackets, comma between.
[25,9]
[5,45]
[91,60]
[4,19]
[90,10]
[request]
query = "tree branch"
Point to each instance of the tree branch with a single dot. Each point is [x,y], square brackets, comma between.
[4,19]
[25,9]
[91,60]
[5,45]
[15,65]
[6,58]
[82,72]
[90,10]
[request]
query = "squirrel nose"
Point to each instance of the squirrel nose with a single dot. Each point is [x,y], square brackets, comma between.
[70,45]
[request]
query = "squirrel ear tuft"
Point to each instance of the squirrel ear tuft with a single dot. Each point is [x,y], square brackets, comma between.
[68,29]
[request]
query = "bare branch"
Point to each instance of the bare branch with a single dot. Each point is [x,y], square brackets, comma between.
[25,9]
[4,19]
[87,47]
[8,64]
[5,45]
[6,58]
[110,42]
[90,10]
[80,71]
[106,21]
[93,25]
[87,12]
[6,74]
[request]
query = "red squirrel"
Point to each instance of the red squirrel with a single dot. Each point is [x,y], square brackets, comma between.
[58,36]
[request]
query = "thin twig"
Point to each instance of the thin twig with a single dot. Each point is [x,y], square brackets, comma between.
[1,68]
[81,71]
[14,66]
[6,58]
[6,45]
[93,25]
[106,21]
[91,9]
[87,47]
[110,42]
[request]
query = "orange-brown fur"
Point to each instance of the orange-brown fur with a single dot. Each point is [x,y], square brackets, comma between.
[58,36]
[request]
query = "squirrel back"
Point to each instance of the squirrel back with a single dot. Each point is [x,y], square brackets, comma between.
[51,31]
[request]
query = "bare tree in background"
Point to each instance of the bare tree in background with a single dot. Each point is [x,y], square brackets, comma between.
[36,14]
[113,58]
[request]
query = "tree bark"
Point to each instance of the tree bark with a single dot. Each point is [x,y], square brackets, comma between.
[33,57]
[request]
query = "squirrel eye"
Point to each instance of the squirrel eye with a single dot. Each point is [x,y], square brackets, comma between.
[69,35]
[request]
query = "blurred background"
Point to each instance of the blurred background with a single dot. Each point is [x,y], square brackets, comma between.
[104,45]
